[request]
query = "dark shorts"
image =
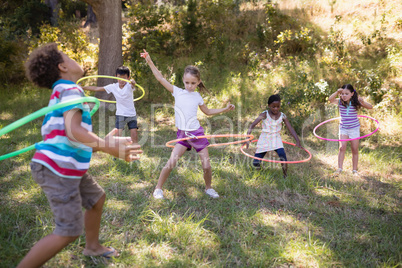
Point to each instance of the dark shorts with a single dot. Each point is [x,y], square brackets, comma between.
[121,121]
[67,197]
[198,144]
[281,153]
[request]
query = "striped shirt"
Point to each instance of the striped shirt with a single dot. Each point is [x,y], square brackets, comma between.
[349,118]
[64,157]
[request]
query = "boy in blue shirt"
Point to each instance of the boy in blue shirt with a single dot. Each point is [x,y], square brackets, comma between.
[60,162]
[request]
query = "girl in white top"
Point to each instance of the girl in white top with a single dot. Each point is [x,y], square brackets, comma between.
[187,102]
[270,138]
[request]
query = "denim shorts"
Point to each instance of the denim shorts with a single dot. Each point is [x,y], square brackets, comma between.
[352,133]
[67,197]
[121,121]
[281,153]
[197,144]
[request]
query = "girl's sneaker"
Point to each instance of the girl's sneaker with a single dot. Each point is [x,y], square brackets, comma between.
[158,194]
[355,173]
[337,172]
[212,193]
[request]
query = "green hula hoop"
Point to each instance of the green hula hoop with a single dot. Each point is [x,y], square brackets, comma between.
[113,77]
[38,114]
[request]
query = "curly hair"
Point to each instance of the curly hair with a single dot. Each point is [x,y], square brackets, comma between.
[42,66]
[354,99]
[273,98]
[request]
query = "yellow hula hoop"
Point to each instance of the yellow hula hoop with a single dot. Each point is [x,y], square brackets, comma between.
[113,77]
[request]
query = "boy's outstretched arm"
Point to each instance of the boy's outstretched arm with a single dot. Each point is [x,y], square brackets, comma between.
[292,131]
[93,88]
[117,146]
[158,75]
[208,111]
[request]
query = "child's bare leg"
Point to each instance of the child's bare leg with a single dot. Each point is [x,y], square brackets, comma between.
[133,134]
[177,152]
[354,145]
[116,131]
[342,150]
[45,249]
[92,220]
[206,166]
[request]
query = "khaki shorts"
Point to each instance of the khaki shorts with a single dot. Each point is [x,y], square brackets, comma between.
[67,197]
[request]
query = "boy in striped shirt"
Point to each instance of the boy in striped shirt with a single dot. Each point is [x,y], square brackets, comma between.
[61,161]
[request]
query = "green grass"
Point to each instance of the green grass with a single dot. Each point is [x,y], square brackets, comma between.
[261,219]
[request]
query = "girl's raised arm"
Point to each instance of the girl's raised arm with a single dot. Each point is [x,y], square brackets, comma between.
[158,75]
[364,103]
[332,98]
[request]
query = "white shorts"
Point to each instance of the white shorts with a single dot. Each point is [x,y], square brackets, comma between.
[352,133]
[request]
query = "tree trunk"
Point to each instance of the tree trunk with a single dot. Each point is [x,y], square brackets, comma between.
[91,18]
[108,15]
[54,6]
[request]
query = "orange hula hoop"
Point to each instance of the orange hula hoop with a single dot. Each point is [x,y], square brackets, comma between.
[277,161]
[249,138]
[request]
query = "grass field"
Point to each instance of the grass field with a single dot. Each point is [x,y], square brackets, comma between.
[261,220]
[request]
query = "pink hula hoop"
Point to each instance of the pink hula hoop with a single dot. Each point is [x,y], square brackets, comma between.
[332,119]
[249,138]
[277,161]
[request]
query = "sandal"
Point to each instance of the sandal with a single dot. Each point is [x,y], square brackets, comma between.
[108,254]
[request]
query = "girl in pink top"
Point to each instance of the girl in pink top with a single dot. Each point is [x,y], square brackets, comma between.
[187,102]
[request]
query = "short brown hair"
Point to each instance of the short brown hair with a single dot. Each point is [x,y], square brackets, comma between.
[42,66]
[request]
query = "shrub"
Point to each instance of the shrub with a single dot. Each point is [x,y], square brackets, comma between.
[12,55]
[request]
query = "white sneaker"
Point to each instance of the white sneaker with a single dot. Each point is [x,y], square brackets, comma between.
[158,194]
[355,173]
[212,193]
[337,172]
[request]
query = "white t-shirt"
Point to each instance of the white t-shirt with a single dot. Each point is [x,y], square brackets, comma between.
[185,109]
[124,99]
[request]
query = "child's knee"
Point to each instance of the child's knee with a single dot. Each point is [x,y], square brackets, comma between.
[207,168]
[355,151]
[342,148]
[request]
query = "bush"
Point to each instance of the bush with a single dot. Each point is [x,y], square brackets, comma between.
[12,55]
[71,40]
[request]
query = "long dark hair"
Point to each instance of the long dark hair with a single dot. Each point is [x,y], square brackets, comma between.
[193,70]
[355,98]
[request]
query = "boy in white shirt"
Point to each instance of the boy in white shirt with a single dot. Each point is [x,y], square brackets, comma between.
[125,110]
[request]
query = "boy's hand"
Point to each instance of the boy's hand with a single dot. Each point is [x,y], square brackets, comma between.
[133,83]
[121,147]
